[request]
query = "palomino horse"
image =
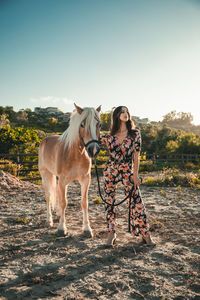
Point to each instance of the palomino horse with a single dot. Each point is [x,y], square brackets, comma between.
[68,157]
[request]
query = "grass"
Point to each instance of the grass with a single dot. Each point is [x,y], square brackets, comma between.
[22,220]
[96,199]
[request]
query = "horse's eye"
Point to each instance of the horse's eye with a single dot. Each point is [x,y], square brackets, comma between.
[82,125]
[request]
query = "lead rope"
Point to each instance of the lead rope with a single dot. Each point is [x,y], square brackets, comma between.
[130,195]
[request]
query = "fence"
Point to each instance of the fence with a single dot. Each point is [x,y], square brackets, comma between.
[27,164]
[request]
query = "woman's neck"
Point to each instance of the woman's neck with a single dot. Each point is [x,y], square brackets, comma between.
[122,128]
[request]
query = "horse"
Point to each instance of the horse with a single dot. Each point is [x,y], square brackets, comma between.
[67,157]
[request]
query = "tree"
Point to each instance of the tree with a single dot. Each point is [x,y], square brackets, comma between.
[163,136]
[22,117]
[19,139]
[172,146]
[10,112]
[4,121]
[105,121]
[2,110]
[179,120]
[189,143]
[149,134]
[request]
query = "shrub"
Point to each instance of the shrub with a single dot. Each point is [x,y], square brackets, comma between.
[147,165]
[190,166]
[9,166]
[173,177]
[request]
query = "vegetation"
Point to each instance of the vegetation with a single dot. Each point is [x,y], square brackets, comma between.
[28,119]
[21,132]
[173,177]
[181,120]
[163,139]
[105,121]
[19,140]
[9,166]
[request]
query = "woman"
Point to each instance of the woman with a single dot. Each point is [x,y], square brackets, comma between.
[124,144]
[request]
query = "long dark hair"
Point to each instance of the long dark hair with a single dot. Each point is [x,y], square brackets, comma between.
[116,122]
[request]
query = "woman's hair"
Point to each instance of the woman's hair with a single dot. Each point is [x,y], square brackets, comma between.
[116,122]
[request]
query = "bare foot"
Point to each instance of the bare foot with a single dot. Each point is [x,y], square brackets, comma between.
[148,241]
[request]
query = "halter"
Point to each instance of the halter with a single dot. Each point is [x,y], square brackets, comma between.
[89,142]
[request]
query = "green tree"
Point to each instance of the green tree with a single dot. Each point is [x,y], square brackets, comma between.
[189,143]
[105,121]
[172,146]
[2,110]
[163,136]
[10,112]
[149,134]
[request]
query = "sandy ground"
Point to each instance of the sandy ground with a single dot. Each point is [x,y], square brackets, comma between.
[35,263]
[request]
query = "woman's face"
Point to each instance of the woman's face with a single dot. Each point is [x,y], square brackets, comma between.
[124,116]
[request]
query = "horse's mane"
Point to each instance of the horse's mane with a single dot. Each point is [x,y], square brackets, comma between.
[71,134]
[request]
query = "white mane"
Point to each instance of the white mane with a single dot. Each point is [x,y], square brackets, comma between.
[71,135]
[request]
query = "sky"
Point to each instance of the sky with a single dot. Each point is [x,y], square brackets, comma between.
[144,54]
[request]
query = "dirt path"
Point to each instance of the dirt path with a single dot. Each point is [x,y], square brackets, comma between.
[38,264]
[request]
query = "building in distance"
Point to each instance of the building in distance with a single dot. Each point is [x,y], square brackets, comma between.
[53,112]
[138,120]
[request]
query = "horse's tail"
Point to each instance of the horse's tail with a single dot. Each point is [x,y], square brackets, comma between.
[53,191]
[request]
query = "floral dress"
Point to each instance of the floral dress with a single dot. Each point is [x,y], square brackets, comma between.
[119,168]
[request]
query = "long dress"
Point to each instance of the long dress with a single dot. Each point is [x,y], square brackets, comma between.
[119,168]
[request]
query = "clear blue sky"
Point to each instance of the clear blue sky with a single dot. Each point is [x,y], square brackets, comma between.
[144,54]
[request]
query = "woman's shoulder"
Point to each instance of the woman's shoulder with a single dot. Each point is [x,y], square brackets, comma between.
[136,130]
[135,133]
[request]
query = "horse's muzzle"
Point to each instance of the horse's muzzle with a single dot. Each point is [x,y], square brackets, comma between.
[93,150]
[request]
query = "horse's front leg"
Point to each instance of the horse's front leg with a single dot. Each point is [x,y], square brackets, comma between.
[85,182]
[62,203]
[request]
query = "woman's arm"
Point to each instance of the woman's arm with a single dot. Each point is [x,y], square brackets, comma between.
[136,159]
[136,163]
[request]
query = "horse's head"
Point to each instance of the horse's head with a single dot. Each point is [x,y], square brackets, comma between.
[89,130]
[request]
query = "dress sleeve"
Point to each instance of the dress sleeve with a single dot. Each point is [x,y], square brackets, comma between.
[138,141]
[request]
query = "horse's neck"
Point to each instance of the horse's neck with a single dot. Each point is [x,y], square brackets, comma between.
[76,150]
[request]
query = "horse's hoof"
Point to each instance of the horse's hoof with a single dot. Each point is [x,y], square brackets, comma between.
[87,234]
[61,232]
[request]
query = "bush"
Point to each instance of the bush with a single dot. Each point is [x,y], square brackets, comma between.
[173,177]
[190,166]
[147,165]
[9,166]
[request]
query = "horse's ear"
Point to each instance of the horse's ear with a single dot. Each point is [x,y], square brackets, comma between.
[99,108]
[78,108]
